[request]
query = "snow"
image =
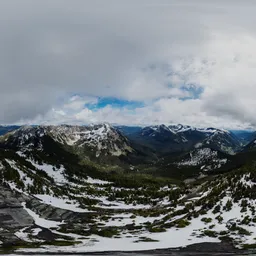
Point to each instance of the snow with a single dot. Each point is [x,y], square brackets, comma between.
[54,172]
[66,204]
[106,204]
[21,154]
[22,235]
[36,231]
[25,235]
[23,176]
[40,221]
[172,238]
[97,181]
[119,220]
[199,156]
[100,137]
[179,128]
[13,186]
[167,188]
[247,182]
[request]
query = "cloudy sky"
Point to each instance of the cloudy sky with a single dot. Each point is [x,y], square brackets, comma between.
[128,62]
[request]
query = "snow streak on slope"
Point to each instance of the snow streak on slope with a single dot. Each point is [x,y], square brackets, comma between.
[41,221]
[206,157]
[103,139]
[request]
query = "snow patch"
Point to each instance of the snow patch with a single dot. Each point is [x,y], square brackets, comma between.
[66,204]
[40,221]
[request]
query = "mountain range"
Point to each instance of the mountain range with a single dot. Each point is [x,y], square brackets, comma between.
[72,188]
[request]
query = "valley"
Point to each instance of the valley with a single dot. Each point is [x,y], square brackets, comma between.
[77,189]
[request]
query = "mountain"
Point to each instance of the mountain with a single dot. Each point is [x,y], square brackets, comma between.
[222,140]
[205,158]
[251,145]
[99,139]
[160,138]
[128,130]
[53,202]
[245,136]
[179,138]
[8,128]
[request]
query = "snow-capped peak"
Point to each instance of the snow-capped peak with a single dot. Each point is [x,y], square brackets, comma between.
[100,137]
[183,128]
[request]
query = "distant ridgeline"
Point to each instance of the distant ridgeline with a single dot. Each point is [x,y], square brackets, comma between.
[72,188]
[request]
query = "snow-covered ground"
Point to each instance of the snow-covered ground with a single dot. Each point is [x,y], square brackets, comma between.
[41,221]
[23,176]
[97,181]
[172,238]
[202,155]
[62,203]
[56,173]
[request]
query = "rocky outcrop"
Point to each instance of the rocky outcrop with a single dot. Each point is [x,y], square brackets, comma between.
[12,215]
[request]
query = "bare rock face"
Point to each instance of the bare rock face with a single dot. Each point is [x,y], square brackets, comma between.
[102,139]
[12,215]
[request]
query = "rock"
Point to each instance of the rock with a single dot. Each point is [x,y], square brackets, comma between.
[211,248]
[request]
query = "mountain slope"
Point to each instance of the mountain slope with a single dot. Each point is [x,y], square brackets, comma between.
[59,212]
[54,199]
[245,136]
[223,141]
[251,145]
[179,138]
[160,139]
[103,139]
[7,128]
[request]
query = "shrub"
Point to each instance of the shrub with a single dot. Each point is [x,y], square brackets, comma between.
[210,233]
[219,218]
[156,229]
[206,220]
[182,223]
[216,209]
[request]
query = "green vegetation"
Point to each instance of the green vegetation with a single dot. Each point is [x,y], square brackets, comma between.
[182,223]
[210,233]
[156,229]
[206,220]
[249,246]
[155,188]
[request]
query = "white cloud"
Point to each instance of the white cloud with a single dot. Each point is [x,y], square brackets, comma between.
[132,50]
[165,110]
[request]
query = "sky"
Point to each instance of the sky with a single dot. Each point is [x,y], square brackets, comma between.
[136,62]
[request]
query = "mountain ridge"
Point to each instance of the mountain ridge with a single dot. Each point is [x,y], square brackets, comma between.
[59,193]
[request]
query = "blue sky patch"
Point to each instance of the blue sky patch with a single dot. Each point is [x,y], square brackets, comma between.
[115,103]
[194,91]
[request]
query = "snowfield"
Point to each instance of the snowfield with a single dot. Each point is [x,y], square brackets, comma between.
[55,173]
[61,203]
[41,221]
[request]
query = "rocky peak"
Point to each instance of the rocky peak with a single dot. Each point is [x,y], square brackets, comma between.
[100,137]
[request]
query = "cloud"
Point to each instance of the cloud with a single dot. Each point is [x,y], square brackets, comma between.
[144,51]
